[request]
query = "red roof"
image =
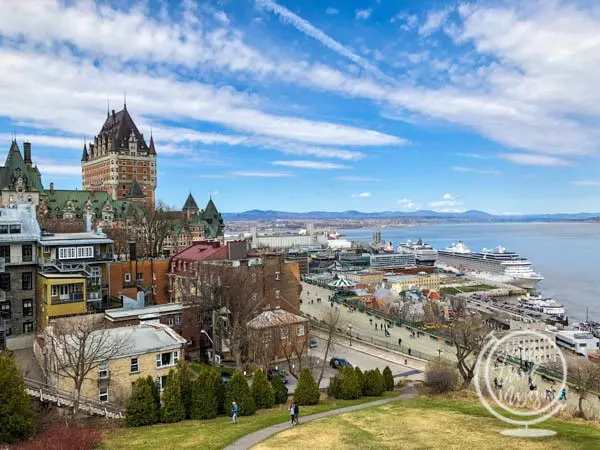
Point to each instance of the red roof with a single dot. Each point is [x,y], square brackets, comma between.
[202,251]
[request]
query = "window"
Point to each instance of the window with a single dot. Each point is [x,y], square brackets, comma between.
[103,394]
[177,320]
[170,321]
[28,307]
[15,228]
[266,337]
[27,252]
[139,276]
[5,252]
[102,371]
[284,333]
[277,276]
[5,310]
[134,365]
[5,281]
[28,327]
[54,291]
[300,330]
[277,295]
[27,281]
[127,278]
[167,359]
[4,229]
[161,382]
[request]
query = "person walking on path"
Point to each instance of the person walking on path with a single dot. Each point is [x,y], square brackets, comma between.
[399,342]
[296,412]
[234,412]
[409,351]
[563,395]
[291,410]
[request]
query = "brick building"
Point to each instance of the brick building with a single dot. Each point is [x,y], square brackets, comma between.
[146,276]
[120,162]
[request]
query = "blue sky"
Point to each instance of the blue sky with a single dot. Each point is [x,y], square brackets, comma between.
[319,105]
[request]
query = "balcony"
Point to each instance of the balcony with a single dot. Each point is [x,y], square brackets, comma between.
[67,298]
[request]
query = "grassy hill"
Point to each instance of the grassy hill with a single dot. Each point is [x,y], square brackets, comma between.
[424,423]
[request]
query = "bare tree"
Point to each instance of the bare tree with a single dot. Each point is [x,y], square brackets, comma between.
[152,229]
[585,375]
[76,346]
[459,305]
[469,335]
[298,352]
[120,238]
[330,323]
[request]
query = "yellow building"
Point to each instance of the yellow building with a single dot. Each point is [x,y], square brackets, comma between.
[401,283]
[133,352]
[60,295]
[73,274]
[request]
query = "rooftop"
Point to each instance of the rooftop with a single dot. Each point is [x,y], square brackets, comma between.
[202,251]
[122,313]
[24,215]
[86,237]
[275,318]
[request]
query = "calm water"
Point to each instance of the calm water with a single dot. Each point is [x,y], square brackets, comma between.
[566,254]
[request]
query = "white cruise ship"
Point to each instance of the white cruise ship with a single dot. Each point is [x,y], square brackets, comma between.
[494,265]
[543,304]
[425,254]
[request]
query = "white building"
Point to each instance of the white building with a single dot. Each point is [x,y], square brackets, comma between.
[529,348]
[579,342]
[401,283]
[392,260]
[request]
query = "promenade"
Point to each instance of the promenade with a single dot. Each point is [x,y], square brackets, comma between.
[363,325]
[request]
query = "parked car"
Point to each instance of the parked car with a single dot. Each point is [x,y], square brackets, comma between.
[338,363]
[276,373]
[312,343]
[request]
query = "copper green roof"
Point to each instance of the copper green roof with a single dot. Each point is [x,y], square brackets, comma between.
[190,203]
[213,221]
[15,167]
[135,191]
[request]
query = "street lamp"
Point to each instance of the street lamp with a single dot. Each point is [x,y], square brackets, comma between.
[440,351]
[350,333]
[214,359]
[521,357]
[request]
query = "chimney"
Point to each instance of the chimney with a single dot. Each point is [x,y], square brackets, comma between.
[113,113]
[52,188]
[27,153]
[87,222]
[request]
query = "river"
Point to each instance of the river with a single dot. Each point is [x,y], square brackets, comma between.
[566,254]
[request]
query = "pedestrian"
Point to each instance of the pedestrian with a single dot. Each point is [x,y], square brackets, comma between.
[409,351]
[296,412]
[371,321]
[496,382]
[399,342]
[234,412]
[563,395]
[291,410]
[375,326]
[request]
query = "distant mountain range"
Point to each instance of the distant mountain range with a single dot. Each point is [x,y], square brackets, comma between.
[471,215]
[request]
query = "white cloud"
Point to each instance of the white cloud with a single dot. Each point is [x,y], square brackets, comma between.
[57,168]
[474,155]
[332,11]
[362,195]
[362,14]
[349,178]
[529,159]
[408,21]
[260,174]
[448,197]
[448,203]
[319,165]
[407,204]
[586,183]
[434,21]
[475,170]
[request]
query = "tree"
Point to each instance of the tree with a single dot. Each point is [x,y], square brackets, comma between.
[346,384]
[307,389]
[459,305]
[585,375]
[155,393]
[141,408]
[263,394]
[16,416]
[360,377]
[120,238]
[330,322]
[469,335]
[279,390]
[173,409]
[76,346]
[374,385]
[220,391]
[184,377]
[152,228]
[237,390]
[204,402]
[440,376]
[388,379]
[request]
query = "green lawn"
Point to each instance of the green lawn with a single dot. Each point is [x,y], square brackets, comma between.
[426,423]
[213,434]
[474,288]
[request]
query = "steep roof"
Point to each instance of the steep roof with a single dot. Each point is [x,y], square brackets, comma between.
[275,318]
[15,167]
[58,199]
[213,221]
[152,149]
[117,129]
[190,203]
[202,251]
[135,191]
[84,155]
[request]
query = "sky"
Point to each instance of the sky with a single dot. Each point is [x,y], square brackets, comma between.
[303,105]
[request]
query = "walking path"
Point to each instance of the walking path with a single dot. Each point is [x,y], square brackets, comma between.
[250,440]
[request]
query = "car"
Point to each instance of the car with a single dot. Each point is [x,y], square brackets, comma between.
[313,343]
[338,363]
[276,373]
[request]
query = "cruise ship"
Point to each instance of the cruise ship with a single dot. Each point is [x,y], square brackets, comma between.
[494,265]
[425,254]
[543,304]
